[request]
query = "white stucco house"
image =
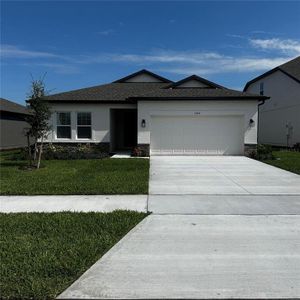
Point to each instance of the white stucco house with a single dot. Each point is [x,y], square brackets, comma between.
[191,116]
[279,117]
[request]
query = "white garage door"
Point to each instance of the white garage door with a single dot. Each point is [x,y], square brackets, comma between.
[202,135]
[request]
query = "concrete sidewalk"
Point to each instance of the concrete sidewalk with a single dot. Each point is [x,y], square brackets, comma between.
[83,203]
[225,204]
[199,257]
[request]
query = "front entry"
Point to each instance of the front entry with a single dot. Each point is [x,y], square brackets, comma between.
[123,129]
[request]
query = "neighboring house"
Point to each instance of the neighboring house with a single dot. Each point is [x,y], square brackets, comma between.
[279,118]
[191,116]
[12,125]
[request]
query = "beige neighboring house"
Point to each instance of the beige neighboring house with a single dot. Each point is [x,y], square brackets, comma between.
[279,117]
[12,125]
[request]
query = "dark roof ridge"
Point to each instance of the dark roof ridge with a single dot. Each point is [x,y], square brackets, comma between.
[143,71]
[198,78]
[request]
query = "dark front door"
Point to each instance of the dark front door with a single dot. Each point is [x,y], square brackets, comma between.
[123,129]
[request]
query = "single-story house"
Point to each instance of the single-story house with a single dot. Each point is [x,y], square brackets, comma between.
[279,118]
[13,125]
[190,116]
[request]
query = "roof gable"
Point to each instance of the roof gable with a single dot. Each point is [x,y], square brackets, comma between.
[143,76]
[131,92]
[290,68]
[195,81]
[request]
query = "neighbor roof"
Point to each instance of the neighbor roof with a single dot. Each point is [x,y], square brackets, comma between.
[124,92]
[291,68]
[9,106]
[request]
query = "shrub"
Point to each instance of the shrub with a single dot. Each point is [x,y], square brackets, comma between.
[264,152]
[138,152]
[76,151]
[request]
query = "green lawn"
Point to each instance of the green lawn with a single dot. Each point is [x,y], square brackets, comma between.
[62,177]
[286,160]
[41,254]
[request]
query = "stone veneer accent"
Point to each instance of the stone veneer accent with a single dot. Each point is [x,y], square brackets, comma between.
[145,149]
[250,149]
[101,147]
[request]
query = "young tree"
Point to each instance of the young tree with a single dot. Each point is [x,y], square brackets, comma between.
[38,119]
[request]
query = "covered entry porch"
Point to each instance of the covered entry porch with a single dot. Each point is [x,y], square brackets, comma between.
[123,129]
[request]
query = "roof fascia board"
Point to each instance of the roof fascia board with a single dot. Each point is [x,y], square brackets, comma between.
[267,74]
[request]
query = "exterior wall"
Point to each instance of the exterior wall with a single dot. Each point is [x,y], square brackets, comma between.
[13,134]
[247,109]
[100,121]
[192,83]
[283,108]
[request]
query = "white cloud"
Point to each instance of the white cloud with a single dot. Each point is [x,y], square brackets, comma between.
[180,62]
[226,64]
[10,51]
[60,68]
[106,32]
[189,62]
[288,46]
[154,57]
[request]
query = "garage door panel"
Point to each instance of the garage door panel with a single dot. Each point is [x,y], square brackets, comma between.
[206,135]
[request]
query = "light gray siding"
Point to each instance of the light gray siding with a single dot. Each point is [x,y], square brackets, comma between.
[13,134]
[280,115]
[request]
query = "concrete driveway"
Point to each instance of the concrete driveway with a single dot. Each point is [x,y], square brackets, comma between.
[218,175]
[202,257]
[221,228]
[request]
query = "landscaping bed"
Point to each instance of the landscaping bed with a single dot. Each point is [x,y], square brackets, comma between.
[73,177]
[41,254]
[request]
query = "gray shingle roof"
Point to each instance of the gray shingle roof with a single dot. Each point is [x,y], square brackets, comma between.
[120,91]
[198,93]
[290,68]
[113,92]
[9,106]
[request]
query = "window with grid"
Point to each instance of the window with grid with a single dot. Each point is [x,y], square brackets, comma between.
[84,125]
[63,126]
[261,88]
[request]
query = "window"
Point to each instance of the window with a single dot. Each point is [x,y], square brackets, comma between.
[84,125]
[261,88]
[63,129]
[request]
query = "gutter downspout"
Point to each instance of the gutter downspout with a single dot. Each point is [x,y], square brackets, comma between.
[258,117]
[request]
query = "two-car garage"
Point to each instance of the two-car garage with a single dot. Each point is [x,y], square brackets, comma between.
[197,135]
[197,127]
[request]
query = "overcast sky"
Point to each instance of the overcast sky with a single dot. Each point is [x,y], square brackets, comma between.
[80,44]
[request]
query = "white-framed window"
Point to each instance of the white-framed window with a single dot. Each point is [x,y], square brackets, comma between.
[63,125]
[261,88]
[84,125]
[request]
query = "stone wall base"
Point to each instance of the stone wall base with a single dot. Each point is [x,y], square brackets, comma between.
[145,149]
[102,147]
[250,150]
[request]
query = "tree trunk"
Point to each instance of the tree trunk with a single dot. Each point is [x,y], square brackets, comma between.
[29,150]
[35,150]
[40,154]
